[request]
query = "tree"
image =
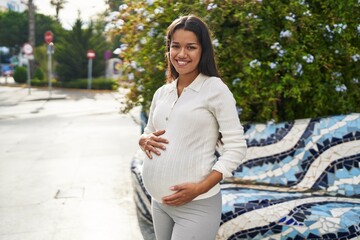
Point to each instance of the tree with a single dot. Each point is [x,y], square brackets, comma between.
[14,28]
[282,59]
[59,5]
[70,54]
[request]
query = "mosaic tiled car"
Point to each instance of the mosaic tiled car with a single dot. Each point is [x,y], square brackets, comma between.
[300,180]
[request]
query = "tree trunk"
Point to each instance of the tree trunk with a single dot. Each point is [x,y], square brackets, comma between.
[31,17]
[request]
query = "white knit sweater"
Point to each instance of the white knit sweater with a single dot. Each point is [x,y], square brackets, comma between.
[192,123]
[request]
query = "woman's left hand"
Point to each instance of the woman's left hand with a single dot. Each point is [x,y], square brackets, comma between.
[185,193]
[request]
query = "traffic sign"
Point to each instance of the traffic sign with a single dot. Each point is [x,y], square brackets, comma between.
[27,48]
[48,37]
[90,54]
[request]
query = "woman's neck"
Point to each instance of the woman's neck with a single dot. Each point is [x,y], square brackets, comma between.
[186,80]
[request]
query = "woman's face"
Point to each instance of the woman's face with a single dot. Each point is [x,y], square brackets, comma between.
[185,53]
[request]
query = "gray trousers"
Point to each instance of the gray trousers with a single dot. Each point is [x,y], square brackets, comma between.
[196,220]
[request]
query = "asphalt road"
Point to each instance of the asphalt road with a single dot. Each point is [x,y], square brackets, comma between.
[65,166]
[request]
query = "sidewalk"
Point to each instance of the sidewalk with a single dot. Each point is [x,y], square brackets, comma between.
[65,166]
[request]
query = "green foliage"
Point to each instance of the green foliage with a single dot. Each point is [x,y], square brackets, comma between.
[282,59]
[39,83]
[70,54]
[41,59]
[39,74]
[100,83]
[14,29]
[20,75]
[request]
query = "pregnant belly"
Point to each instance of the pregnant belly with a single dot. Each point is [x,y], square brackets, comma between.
[158,176]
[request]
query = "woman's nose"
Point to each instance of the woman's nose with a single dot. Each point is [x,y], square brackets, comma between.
[182,53]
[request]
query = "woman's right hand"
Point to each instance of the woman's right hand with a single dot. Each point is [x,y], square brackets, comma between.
[151,143]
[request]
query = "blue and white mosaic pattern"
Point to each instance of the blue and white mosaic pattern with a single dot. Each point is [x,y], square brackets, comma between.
[300,180]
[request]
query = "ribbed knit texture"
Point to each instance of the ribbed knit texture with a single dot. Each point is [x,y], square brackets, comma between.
[192,123]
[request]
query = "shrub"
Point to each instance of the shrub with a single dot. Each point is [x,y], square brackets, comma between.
[282,59]
[96,83]
[20,74]
[39,74]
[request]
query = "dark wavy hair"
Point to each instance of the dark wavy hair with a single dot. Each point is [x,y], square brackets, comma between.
[207,64]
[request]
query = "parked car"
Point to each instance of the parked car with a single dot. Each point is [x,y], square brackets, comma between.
[299,181]
[7,70]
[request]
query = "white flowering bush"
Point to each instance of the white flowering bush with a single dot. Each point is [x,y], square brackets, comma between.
[282,60]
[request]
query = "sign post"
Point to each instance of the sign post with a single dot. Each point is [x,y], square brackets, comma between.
[28,51]
[48,37]
[90,55]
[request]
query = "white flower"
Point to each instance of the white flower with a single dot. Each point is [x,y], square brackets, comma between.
[356,80]
[272,65]
[109,27]
[358,29]
[298,69]
[341,88]
[123,46]
[140,27]
[211,6]
[285,33]
[337,51]
[120,23]
[143,40]
[281,53]
[133,64]
[131,76]
[308,58]
[236,80]
[150,18]
[215,42]
[307,13]
[139,10]
[123,7]
[152,32]
[276,46]
[302,2]
[336,74]
[255,63]
[117,51]
[339,27]
[150,2]
[112,16]
[328,29]
[356,57]
[291,17]
[252,15]
[159,10]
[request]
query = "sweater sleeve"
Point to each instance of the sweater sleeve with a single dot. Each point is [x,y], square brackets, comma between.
[223,106]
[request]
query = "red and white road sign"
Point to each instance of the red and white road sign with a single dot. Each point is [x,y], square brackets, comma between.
[27,49]
[90,54]
[48,37]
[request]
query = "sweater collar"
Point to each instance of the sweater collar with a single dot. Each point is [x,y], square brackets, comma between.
[194,85]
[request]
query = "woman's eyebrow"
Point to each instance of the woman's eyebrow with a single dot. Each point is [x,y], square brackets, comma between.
[194,43]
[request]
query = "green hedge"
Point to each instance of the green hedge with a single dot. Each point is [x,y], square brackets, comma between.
[20,74]
[96,83]
[282,60]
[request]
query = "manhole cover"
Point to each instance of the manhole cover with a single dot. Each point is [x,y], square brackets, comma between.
[70,193]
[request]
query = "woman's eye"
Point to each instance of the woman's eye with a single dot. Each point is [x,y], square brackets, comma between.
[174,46]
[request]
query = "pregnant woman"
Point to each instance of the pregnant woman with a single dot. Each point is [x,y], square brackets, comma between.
[189,116]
